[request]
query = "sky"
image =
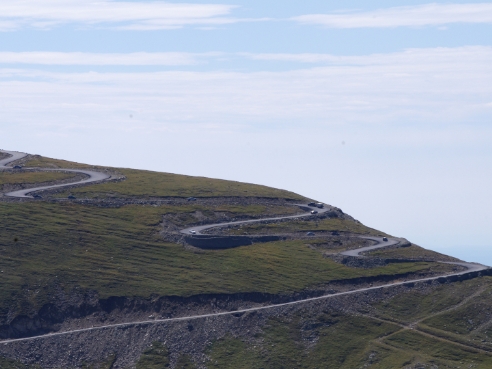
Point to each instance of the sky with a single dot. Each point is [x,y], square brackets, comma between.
[381,108]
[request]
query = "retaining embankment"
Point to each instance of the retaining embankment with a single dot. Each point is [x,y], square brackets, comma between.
[92,311]
[212,242]
[458,278]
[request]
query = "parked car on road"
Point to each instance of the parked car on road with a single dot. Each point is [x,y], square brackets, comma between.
[320,205]
[312,204]
[385,239]
[193,231]
[314,212]
[310,234]
[17,167]
[191,199]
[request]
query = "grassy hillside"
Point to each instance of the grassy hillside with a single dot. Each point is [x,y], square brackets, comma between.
[155,184]
[119,252]
[31,177]
[457,333]
[410,252]
[307,225]
[53,246]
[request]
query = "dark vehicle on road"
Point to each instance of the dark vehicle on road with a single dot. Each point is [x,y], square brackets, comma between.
[36,196]
[191,199]
[320,205]
[71,197]
[385,239]
[17,167]
[314,212]
[310,234]
[312,204]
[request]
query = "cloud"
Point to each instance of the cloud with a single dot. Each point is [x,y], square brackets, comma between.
[404,16]
[437,86]
[117,14]
[435,56]
[439,55]
[80,58]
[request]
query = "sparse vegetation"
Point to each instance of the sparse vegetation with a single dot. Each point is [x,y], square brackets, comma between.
[118,252]
[155,357]
[459,312]
[12,364]
[31,177]
[48,247]
[410,252]
[184,362]
[339,341]
[37,161]
[416,305]
[155,184]
[307,225]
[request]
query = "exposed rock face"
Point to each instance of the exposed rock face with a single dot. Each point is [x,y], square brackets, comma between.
[359,262]
[127,342]
[84,309]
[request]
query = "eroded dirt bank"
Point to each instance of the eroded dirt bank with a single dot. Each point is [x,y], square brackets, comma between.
[127,343]
[78,310]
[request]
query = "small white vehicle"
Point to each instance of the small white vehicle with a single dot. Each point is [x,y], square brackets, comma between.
[193,231]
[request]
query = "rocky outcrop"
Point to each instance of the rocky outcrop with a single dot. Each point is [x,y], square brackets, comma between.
[81,309]
[192,336]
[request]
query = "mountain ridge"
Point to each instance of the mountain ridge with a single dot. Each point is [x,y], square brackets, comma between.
[120,240]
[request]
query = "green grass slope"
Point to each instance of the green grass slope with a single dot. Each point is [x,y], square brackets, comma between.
[119,252]
[154,184]
[337,341]
[16,178]
[307,225]
[48,246]
[444,327]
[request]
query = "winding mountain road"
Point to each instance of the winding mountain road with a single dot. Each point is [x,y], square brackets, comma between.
[93,176]
[380,243]
[199,229]
[472,268]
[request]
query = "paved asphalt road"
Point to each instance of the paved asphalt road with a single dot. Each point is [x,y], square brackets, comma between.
[470,267]
[379,244]
[92,176]
[199,229]
[14,155]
